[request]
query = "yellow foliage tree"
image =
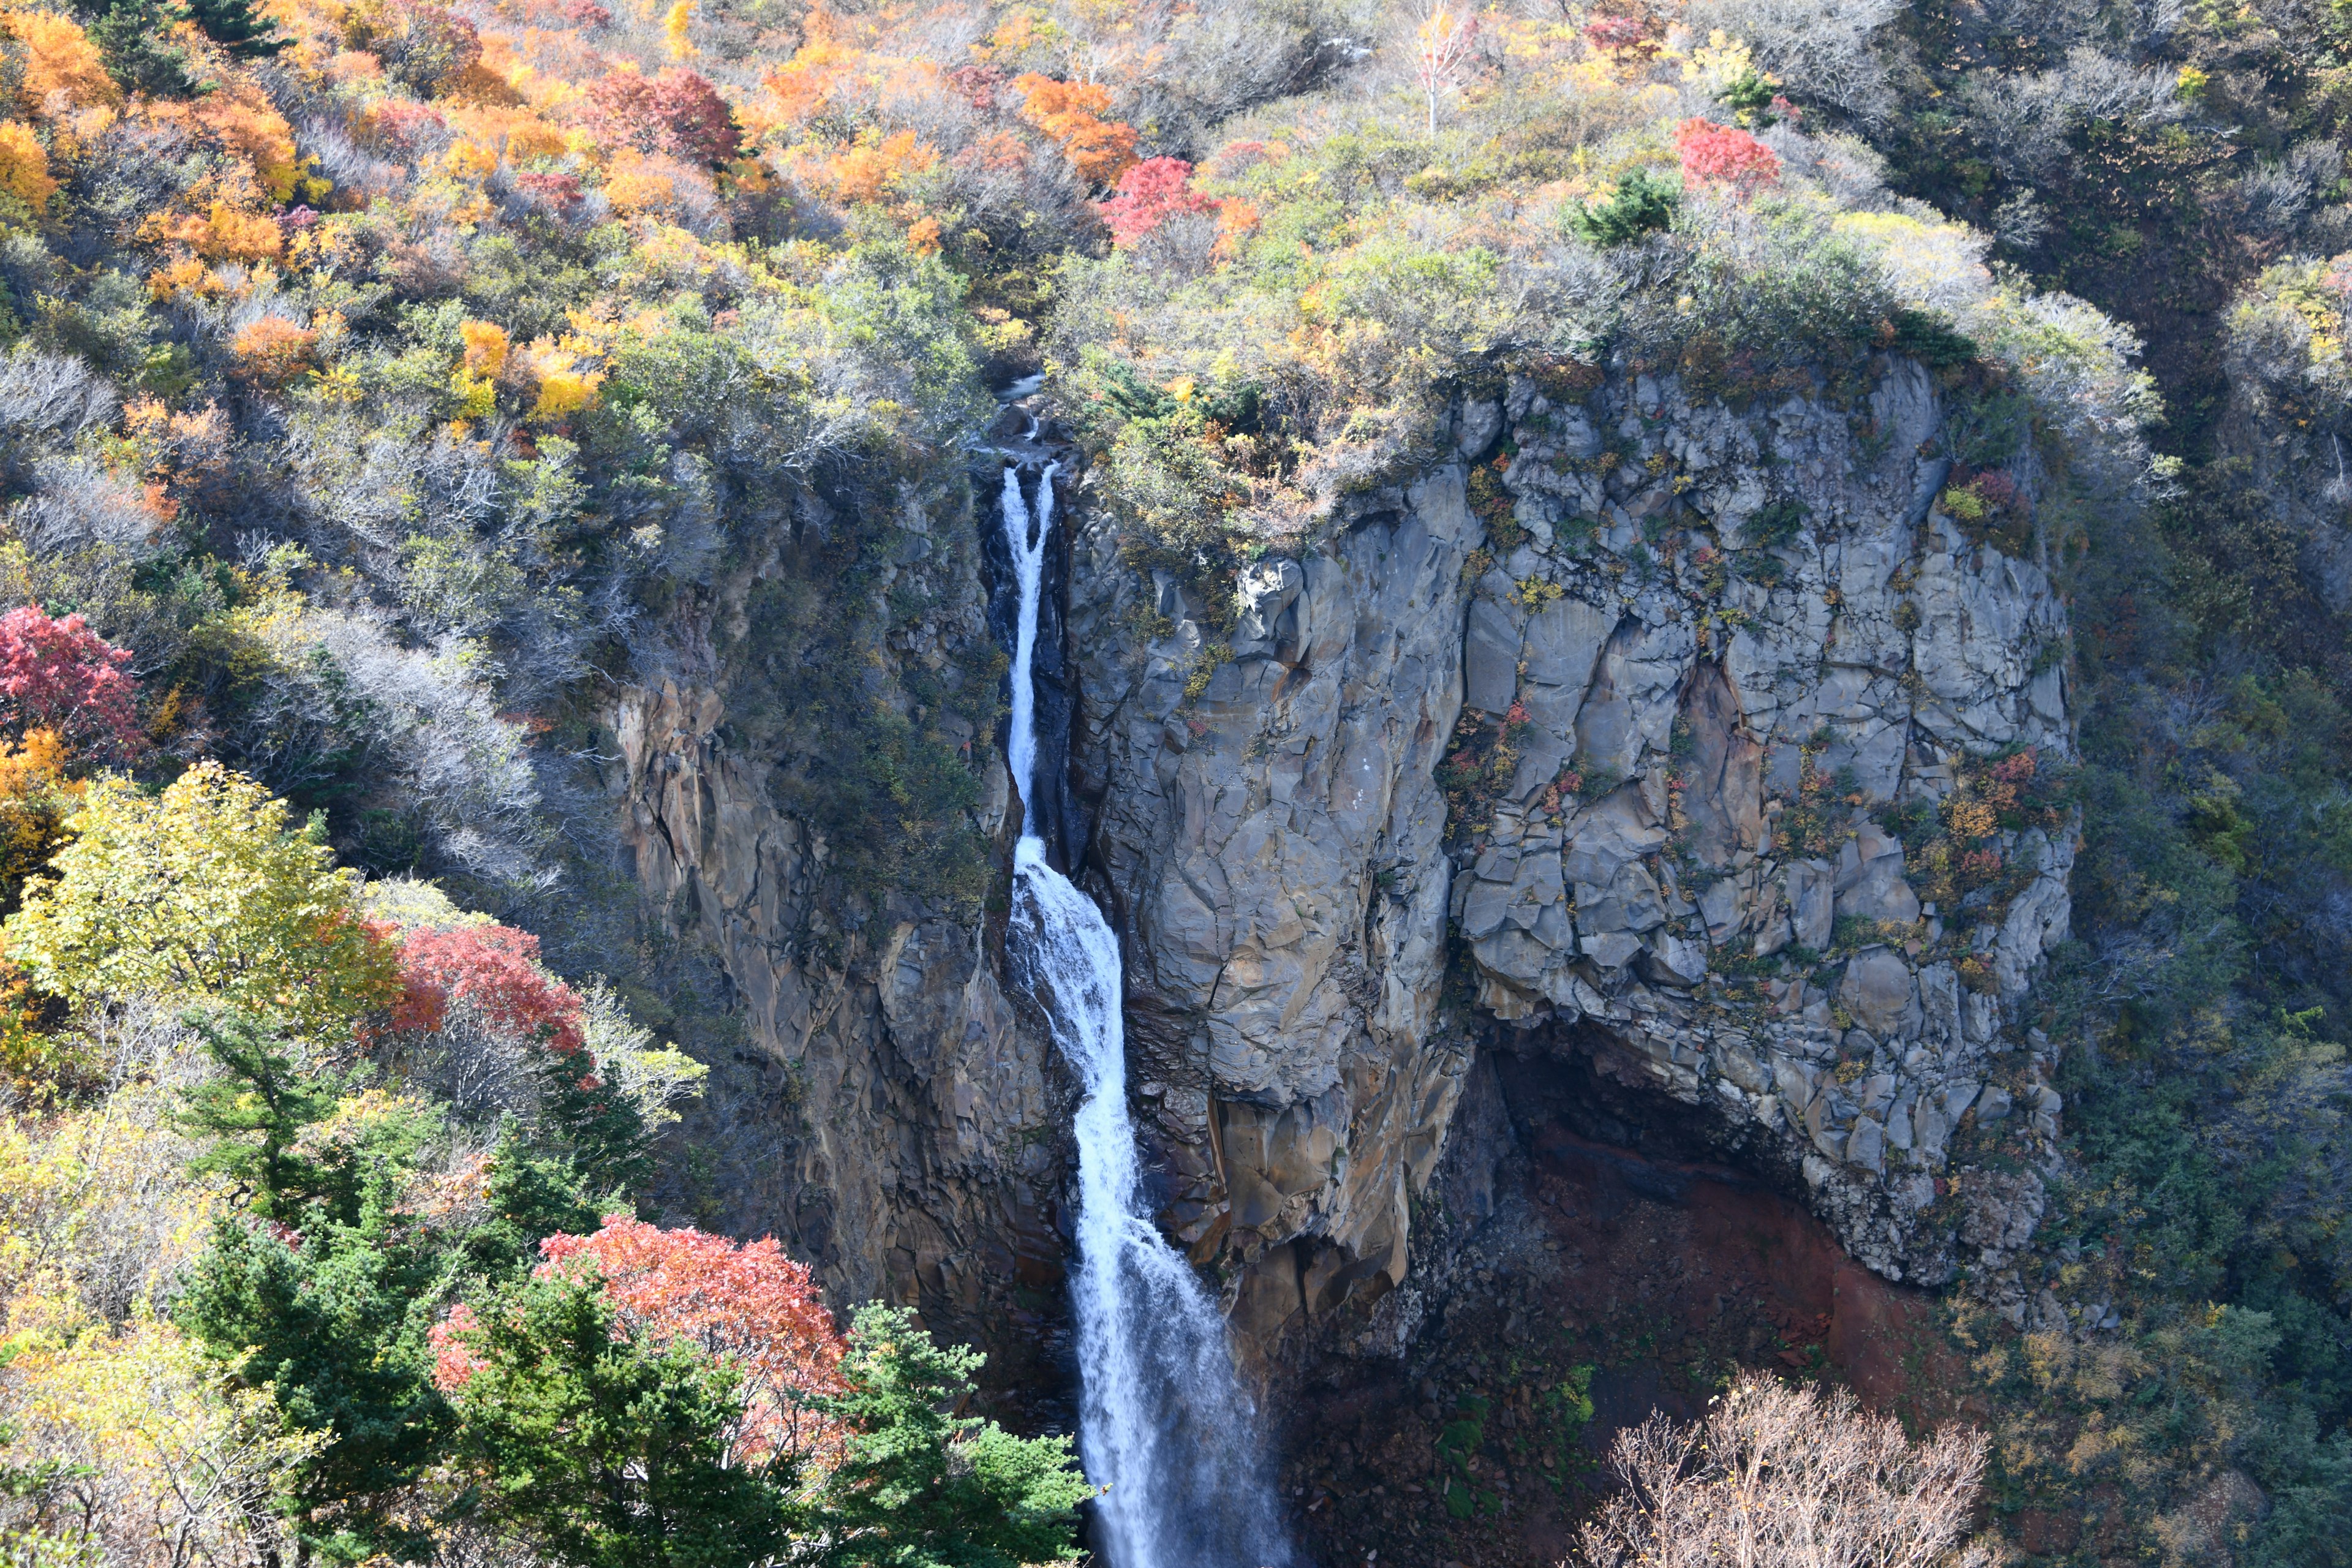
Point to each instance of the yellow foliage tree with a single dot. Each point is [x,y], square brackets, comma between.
[25,165]
[872,165]
[63,70]
[204,892]
[35,799]
[485,347]
[167,1460]
[224,234]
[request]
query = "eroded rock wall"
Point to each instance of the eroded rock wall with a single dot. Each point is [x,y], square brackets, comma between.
[904,1125]
[1632,729]
[1275,848]
[1626,708]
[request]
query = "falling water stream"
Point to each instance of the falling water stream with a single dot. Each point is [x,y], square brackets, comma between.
[1163,1421]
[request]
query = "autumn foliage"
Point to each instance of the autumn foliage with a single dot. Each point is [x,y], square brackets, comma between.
[1151,194]
[1715,154]
[272,350]
[206,893]
[63,70]
[677,112]
[748,1305]
[60,675]
[25,165]
[1071,113]
[495,970]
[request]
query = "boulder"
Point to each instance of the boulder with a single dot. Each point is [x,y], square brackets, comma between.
[1879,991]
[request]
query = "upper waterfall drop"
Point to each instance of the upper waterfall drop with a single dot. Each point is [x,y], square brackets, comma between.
[1163,1421]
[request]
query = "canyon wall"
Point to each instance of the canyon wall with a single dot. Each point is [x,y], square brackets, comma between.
[890,1113]
[1630,728]
[1593,739]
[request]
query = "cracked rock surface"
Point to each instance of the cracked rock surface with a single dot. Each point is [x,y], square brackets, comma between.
[1666,721]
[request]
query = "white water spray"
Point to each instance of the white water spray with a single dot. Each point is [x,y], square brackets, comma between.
[1161,1419]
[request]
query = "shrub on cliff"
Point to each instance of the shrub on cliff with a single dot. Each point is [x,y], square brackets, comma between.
[1640,203]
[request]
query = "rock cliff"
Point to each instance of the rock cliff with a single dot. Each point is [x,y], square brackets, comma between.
[1619,719]
[1713,747]
[890,1113]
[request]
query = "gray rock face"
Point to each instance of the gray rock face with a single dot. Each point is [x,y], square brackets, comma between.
[1681,687]
[1674,684]
[903,1129]
[1276,848]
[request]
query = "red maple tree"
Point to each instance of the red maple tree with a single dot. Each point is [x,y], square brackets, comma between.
[1715,154]
[677,112]
[494,969]
[60,675]
[748,1306]
[1149,194]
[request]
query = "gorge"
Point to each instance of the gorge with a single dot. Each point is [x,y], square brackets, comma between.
[1232,783]
[1374,788]
[1165,1428]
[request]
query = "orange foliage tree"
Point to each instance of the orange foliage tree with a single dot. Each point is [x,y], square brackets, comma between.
[749,1307]
[273,351]
[36,798]
[1071,113]
[63,70]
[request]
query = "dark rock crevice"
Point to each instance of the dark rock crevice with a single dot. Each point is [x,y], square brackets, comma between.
[1586,1238]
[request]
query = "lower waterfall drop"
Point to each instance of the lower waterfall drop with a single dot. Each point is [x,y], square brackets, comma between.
[1161,1418]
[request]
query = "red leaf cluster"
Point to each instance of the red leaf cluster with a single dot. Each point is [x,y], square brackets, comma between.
[557,193]
[61,676]
[1723,154]
[1151,194]
[454,1361]
[678,113]
[494,969]
[406,128]
[1619,36]
[979,84]
[749,1307]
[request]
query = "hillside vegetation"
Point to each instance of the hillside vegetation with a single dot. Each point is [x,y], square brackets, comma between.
[378,380]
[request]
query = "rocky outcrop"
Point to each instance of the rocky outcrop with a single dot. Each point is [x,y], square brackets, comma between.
[1699,744]
[903,1126]
[1274,845]
[1697,739]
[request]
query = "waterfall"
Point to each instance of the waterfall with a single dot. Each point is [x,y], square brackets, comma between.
[1161,1419]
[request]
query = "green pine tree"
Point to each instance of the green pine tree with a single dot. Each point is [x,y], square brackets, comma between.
[135,38]
[253,1115]
[332,1318]
[238,28]
[602,1450]
[323,1291]
[922,1487]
